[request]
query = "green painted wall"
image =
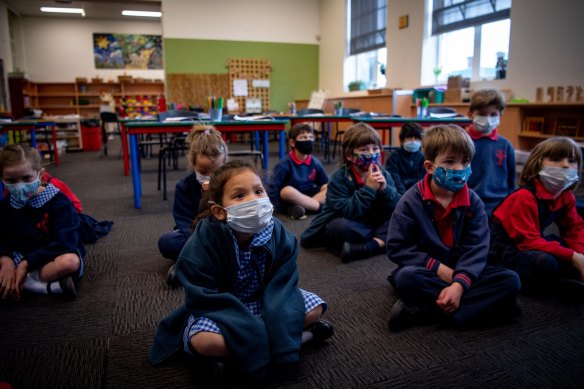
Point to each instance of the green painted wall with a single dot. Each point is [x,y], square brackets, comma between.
[294,66]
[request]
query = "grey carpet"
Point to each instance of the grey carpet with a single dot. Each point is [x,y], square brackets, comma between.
[101,339]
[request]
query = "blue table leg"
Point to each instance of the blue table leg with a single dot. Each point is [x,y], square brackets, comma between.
[282,144]
[135,172]
[33,141]
[256,138]
[266,151]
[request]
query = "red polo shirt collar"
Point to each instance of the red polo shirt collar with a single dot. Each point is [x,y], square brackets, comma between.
[461,198]
[475,135]
[298,161]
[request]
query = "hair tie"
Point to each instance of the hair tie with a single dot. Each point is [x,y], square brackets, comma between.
[206,132]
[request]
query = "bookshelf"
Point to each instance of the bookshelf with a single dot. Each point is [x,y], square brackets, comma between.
[69,102]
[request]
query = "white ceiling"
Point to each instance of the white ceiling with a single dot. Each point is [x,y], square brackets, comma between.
[94,9]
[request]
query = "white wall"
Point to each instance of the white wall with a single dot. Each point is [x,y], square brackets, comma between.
[545,46]
[62,49]
[283,21]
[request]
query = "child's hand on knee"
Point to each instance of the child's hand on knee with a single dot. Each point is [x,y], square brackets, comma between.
[449,298]
[578,262]
[7,276]
[21,271]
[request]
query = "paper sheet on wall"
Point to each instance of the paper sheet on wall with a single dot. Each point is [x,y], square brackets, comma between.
[239,87]
[317,99]
[253,105]
[260,83]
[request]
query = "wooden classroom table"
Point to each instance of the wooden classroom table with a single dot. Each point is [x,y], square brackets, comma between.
[136,128]
[31,126]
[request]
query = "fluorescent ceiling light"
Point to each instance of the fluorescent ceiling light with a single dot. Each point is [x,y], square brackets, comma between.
[64,10]
[148,14]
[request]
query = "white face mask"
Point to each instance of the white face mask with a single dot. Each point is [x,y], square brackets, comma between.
[486,124]
[201,178]
[557,179]
[251,216]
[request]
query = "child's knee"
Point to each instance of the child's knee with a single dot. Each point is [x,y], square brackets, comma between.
[68,263]
[208,344]
[313,315]
[546,263]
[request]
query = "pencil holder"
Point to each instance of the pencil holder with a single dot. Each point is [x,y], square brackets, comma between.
[215,114]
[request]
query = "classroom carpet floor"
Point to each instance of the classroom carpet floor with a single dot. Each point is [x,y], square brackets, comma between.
[101,339]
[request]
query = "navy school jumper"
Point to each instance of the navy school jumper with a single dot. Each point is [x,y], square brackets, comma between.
[416,246]
[406,168]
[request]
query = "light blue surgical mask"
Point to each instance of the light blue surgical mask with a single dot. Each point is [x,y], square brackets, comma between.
[412,146]
[557,179]
[486,124]
[23,191]
[451,179]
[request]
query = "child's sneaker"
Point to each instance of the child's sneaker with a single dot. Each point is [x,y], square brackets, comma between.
[296,212]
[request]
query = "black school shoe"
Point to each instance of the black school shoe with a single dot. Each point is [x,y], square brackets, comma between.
[404,316]
[171,278]
[297,212]
[69,291]
[321,331]
[356,251]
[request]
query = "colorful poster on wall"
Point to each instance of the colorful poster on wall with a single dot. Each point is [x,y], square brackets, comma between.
[127,51]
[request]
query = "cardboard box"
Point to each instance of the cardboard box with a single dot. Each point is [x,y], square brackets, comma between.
[457,95]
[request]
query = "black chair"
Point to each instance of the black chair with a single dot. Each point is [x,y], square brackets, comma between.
[109,117]
[340,133]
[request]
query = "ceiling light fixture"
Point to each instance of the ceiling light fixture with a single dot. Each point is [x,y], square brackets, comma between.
[80,11]
[148,14]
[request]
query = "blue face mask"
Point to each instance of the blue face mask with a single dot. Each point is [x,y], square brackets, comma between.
[363,161]
[413,146]
[23,191]
[451,179]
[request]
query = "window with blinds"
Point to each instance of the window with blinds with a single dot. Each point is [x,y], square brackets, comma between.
[452,15]
[367,25]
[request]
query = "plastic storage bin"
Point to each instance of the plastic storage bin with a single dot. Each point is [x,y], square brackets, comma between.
[432,94]
[91,135]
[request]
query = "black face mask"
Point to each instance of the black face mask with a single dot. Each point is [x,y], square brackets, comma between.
[304,146]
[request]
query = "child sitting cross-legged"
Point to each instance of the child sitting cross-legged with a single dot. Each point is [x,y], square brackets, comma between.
[359,201]
[439,238]
[240,275]
[40,249]
[298,182]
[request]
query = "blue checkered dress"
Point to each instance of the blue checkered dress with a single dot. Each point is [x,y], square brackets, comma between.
[36,202]
[248,286]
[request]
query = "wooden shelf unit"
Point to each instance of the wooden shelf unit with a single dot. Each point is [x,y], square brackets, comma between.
[515,115]
[58,99]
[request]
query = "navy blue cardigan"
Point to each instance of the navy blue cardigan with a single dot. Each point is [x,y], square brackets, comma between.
[207,268]
[40,234]
[406,168]
[413,240]
[187,197]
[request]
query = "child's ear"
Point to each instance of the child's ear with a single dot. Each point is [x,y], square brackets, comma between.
[292,143]
[218,212]
[429,166]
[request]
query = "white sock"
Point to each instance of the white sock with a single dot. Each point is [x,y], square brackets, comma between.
[33,284]
[306,336]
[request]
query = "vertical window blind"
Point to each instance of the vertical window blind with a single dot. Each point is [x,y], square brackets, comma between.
[367,28]
[451,15]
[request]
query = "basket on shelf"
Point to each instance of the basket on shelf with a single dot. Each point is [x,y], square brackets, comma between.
[81,80]
[97,80]
[125,79]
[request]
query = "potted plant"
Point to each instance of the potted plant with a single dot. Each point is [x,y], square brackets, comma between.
[357,85]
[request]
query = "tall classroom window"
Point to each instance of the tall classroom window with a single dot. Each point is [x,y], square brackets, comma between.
[366,51]
[472,38]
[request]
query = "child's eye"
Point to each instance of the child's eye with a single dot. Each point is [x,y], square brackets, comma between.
[259,191]
[238,196]
[572,160]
